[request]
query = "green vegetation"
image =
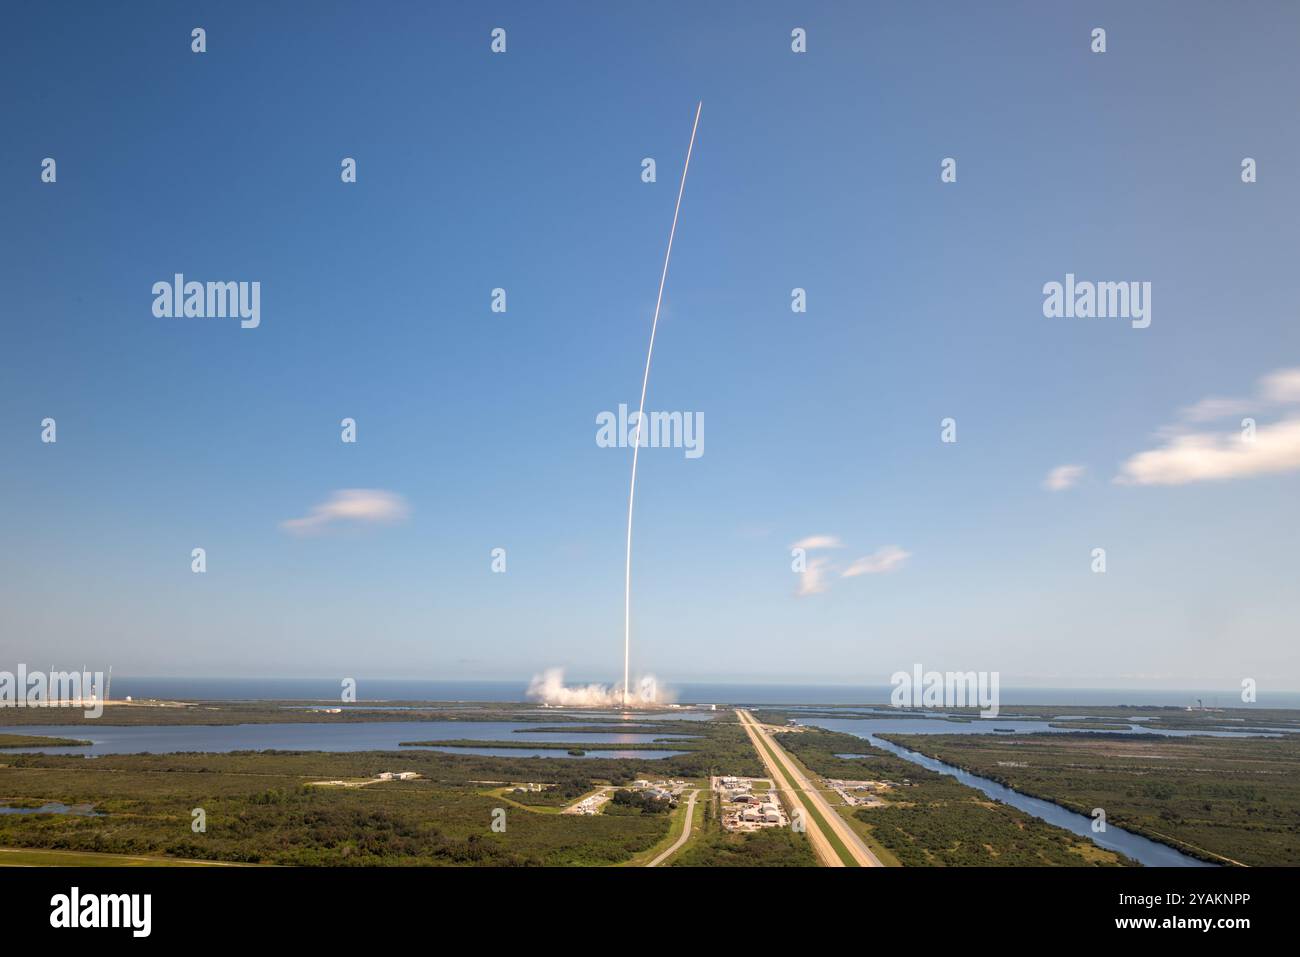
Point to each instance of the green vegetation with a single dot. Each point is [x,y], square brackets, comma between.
[930,819]
[260,809]
[263,807]
[39,741]
[639,801]
[1222,799]
[564,793]
[860,827]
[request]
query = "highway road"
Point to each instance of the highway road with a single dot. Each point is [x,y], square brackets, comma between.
[802,793]
[685,836]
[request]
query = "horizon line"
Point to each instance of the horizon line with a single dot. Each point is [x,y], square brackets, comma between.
[696,681]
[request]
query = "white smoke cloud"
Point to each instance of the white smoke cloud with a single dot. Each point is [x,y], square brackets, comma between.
[549,688]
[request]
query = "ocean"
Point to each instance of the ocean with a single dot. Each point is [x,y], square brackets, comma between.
[407,689]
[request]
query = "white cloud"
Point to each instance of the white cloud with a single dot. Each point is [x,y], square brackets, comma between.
[1216,456]
[812,580]
[818,541]
[366,505]
[815,579]
[884,559]
[1185,454]
[1063,477]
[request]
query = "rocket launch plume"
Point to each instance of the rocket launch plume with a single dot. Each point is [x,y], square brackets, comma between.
[549,688]
[645,381]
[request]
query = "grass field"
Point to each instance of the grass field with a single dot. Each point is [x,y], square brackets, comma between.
[20,741]
[30,857]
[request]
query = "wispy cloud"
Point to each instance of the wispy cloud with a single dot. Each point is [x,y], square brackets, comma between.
[1063,477]
[884,559]
[818,541]
[1190,453]
[815,579]
[812,580]
[1280,387]
[361,505]
[1216,407]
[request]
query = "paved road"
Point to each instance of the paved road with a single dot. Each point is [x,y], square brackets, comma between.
[802,792]
[826,854]
[686,833]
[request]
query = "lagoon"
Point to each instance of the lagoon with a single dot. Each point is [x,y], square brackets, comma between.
[350,736]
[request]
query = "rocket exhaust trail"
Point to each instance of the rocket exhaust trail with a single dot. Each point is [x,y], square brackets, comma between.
[640,417]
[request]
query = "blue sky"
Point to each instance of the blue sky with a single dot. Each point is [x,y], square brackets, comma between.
[522,171]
